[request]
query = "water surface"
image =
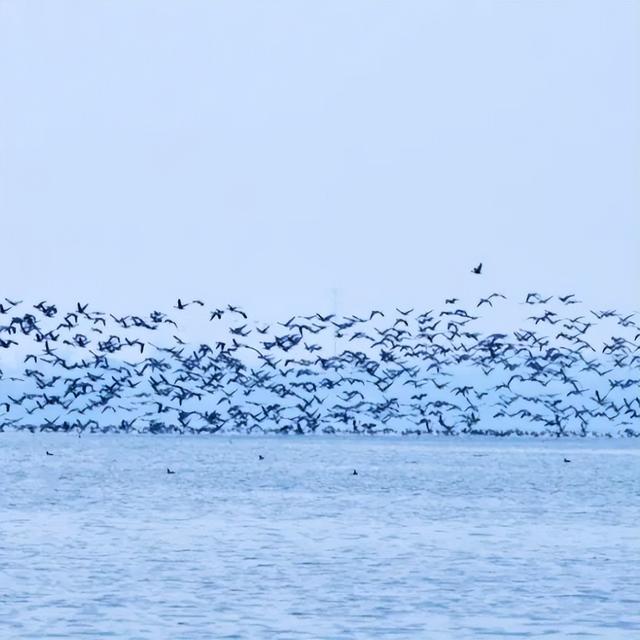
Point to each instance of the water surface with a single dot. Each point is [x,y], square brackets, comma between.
[437,538]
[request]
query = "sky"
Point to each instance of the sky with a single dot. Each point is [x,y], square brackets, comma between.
[299,156]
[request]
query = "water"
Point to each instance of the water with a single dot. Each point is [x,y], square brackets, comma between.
[440,538]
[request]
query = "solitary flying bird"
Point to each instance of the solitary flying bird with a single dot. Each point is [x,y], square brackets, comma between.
[477,270]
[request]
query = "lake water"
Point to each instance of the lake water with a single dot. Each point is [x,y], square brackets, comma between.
[439,538]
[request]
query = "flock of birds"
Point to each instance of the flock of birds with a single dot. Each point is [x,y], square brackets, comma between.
[567,370]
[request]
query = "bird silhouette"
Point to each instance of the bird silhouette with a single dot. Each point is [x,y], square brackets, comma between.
[86,370]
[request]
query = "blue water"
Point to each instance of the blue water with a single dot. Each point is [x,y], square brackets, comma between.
[440,538]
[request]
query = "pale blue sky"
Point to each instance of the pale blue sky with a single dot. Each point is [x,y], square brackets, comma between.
[266,152]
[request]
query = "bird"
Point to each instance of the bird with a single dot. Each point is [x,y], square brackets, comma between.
[488,299]
[477,270]
[170,472]
[355,473]
[567,460]
[233,309]
[366,373]
[49,453]
[568,299]
[260,457]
